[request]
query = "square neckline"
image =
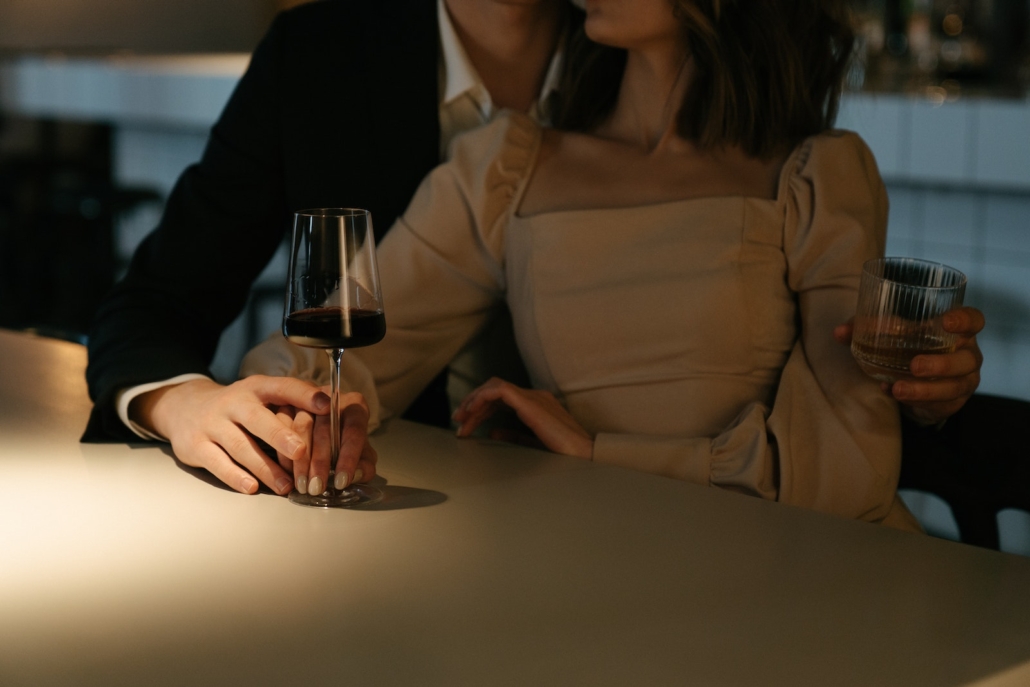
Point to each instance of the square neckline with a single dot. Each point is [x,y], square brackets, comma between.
[786,171]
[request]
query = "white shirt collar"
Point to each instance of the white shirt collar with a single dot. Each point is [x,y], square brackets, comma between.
[460,76]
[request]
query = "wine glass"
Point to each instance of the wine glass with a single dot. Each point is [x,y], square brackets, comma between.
[333,302]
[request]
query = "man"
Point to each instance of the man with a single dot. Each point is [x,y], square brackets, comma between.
[344,105]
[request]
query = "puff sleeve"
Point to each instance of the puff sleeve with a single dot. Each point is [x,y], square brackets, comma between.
[831,439]
[441,270]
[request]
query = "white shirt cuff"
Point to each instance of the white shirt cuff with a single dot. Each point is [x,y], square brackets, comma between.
[125,396]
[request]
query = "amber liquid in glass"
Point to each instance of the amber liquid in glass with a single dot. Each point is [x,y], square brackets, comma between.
[888,357]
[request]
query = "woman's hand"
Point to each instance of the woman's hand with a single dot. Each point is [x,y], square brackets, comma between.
[941,383]
[540,411]
[218,427]
[357,459]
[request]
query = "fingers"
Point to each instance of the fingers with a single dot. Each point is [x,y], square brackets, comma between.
[366,468]
[262,423]
[356,461]
[287,391]
[481,404]
[353,439]
[212,458]
[949,389]
[539,410]
[961,362]
[318,470]
[965,321]
[842,332]
[304,425]
[942,385]
[243,449]
[286,416]
[219,427]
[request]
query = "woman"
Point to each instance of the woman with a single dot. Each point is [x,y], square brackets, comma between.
[674,256]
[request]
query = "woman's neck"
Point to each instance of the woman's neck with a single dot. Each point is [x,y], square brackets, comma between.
[650,96]
[510,44]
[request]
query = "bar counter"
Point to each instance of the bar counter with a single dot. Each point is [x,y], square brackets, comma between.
[486,564]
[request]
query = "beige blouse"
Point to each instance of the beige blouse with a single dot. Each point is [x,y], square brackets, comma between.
[692,338]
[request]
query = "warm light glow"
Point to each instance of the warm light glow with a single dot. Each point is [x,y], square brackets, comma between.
[952,24]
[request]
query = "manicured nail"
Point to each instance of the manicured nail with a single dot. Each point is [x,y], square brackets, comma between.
[249,485]
[283,484]
[321,401]
[315,486]
[302,484]
[341,480]
[359,474]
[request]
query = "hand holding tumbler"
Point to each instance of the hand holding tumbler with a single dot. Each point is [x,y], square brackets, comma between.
[901,304]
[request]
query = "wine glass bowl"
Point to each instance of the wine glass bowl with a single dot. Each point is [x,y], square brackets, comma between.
[333,302]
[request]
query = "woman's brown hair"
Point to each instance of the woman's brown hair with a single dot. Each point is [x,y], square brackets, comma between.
[768,73]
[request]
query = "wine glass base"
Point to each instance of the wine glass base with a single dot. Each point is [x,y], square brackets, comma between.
[354,496]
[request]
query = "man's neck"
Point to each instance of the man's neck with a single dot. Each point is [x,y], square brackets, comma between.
[510,43]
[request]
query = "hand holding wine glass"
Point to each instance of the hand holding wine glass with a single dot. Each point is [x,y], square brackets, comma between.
[333,302]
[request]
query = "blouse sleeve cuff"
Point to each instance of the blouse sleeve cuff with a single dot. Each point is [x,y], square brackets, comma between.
[124,397]
[739,459]
[687,459]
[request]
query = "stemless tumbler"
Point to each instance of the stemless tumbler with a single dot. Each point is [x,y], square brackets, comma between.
[901,303]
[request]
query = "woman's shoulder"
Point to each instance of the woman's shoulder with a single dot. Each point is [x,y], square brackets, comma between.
[834,196]
[837,153]
[492,163]
[510,135]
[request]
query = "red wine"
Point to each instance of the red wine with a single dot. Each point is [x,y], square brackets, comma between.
[335,327]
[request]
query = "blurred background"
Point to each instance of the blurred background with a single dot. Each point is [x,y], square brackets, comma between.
[104,103]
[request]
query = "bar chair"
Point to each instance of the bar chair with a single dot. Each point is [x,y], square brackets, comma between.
[978,463]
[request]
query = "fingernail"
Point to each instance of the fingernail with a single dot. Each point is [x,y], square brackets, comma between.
[359,474]
[283,484]
[321,401]
[249,485]
[302,484]
[294,446]
[315,486]
[341,480]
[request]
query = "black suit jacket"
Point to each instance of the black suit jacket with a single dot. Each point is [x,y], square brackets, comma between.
[338,108]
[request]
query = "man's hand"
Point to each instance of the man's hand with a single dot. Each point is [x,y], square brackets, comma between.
[216,427]
[941,383]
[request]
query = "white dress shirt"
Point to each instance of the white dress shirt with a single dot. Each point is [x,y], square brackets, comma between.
[464,105]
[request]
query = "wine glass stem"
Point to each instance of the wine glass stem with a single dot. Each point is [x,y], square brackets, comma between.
[335,354]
